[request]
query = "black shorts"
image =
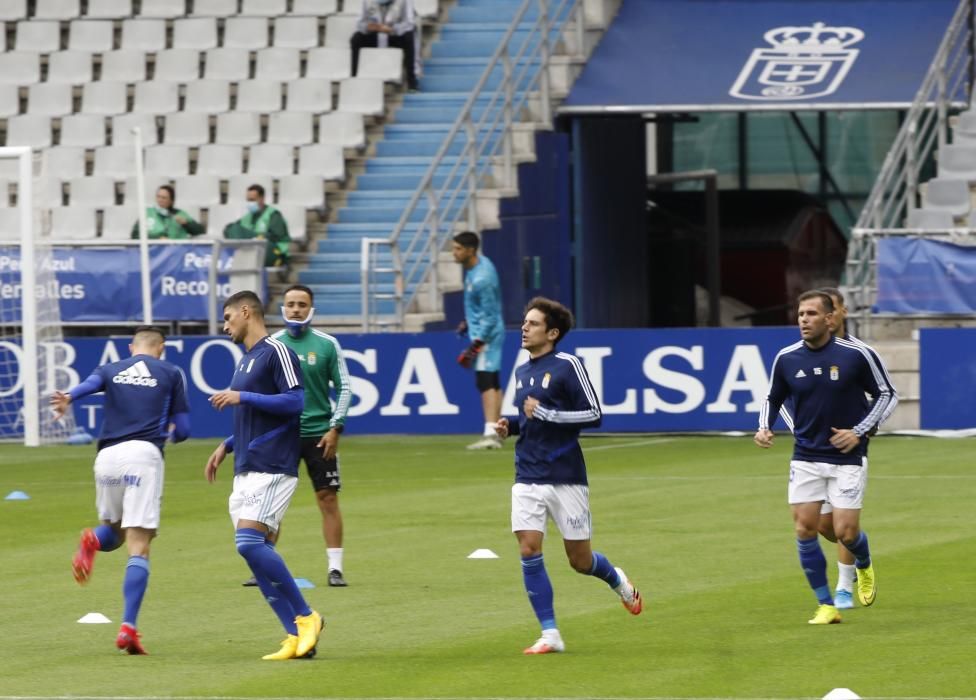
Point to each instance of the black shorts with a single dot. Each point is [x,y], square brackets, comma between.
[324,473]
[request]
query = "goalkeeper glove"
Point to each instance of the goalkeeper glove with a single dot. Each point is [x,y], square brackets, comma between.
[470,354]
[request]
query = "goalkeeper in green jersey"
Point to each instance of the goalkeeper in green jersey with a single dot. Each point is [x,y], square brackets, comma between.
[323,369]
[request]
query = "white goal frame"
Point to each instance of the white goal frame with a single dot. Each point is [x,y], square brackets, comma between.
[28,298]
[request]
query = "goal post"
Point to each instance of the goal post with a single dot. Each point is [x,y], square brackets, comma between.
[30,316]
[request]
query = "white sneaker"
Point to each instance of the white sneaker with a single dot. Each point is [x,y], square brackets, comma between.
[488,442]
[547,644]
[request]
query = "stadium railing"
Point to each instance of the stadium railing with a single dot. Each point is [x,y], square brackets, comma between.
[483,130]
[947,86]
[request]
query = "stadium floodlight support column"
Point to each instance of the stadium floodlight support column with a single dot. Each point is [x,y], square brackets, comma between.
[144,270]
[713,270]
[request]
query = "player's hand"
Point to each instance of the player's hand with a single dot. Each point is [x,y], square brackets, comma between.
[763,438]
[528,408]
[844,440]
[180,220]
[467,358]
[501,428]
[59,402]
[214,461]
[225,398]
[462,329]
[329,444]
[374,27]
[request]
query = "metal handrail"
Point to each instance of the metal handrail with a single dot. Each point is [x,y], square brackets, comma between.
[947,85]
[413,252]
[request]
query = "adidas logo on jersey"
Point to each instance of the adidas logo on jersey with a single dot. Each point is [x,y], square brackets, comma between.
[138,375]
[799,374]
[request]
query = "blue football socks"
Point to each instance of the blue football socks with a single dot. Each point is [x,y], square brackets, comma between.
[859,548]
[278,603]
[107,538]
[603,569]
[814,565]
[134,587]
[539,590]
[266,562]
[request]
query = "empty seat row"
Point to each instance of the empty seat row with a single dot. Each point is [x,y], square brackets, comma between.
[80,223]
[183,65]
[117,162]
[193,190]
[12,10]
[205,97]
[187,129]
[197,33]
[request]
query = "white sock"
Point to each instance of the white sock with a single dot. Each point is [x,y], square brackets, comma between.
[845,577]
[552,635]
[490,430]
[335,558]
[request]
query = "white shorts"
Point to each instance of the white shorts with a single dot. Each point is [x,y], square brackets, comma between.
[837,485]
[567,504]
[261,497]
[129,484]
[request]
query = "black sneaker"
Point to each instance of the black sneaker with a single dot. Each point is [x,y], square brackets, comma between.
[336,580]
[250,582]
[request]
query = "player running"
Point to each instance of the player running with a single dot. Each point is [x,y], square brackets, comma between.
[145,405]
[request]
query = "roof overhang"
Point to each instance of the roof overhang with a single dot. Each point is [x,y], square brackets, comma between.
[663,56]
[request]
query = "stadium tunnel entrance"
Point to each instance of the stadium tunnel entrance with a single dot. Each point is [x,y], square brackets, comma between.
[793,105]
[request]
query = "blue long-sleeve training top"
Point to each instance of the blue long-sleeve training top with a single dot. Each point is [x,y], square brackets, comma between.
[548,449]
[827,387]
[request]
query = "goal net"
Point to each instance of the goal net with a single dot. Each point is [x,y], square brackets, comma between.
[31,339]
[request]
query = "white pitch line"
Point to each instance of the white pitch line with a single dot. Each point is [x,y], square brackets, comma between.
[639,443]
[475,697]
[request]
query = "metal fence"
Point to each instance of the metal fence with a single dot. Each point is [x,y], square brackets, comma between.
[947,86]
[477,152]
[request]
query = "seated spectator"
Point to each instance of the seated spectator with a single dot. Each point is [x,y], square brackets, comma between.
[165,222]
[262,221]
[393,18]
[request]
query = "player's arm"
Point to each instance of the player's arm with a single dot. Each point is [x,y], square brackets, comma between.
[893,400]
[872,382]
[216,457]
[180,412]
[60,400]
[287,403]
[583,407]
[339,378]
[775,397]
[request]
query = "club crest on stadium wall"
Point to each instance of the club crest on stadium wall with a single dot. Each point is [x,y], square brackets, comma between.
[803,63]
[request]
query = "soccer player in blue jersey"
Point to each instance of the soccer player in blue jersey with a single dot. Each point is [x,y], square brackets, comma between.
[485,327]
[826,378]
[556,400]
[268,397]
[844,592]
[145,405]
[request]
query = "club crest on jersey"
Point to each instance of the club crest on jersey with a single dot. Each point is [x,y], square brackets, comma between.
[545,380]
[834,373]
[311,358]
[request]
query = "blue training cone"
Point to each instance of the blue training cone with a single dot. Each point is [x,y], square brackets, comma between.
[17,496]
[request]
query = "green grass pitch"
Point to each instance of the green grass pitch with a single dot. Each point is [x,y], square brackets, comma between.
[699,523]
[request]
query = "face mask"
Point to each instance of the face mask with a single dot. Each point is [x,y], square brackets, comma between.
[384,3]
[252,207]
[162,211]
[297,328]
